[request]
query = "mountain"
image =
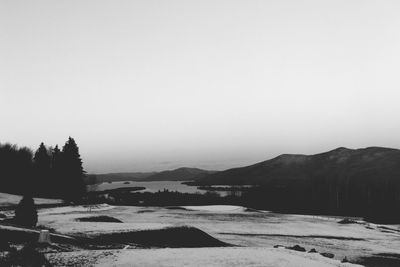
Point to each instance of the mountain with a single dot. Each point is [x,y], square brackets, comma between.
[123,176]
[372,163]
[180,174]
[348,182]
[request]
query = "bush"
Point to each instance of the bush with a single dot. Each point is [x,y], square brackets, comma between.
[26,213]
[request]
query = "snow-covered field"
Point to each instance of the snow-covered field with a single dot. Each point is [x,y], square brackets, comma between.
[255,232]
[219,257]
[216,208]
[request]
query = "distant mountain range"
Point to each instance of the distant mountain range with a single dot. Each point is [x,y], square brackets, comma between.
[367,164]
[372,163]
[180,174]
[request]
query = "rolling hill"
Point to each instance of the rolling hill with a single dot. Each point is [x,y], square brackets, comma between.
[372,163]
[351,182]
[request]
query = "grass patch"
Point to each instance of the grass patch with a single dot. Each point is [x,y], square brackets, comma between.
[99,219]
[174,237]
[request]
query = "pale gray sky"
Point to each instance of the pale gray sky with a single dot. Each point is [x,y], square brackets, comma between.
[150,85]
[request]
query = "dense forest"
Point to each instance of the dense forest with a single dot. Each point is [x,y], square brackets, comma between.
[47,172]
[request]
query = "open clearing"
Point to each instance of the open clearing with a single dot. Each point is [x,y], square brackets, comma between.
[251,230]
[252,233]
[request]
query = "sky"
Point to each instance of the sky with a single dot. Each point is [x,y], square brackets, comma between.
[154,84]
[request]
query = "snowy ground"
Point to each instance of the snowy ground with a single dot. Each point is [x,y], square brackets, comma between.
[211,257]
[256,233]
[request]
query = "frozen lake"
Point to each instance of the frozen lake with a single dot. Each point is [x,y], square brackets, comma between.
[155,186]
[152,186]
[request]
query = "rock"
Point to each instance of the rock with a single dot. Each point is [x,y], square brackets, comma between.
[313,250]
[297,248]
[278,246]
[328,255]
[345,260]
[44,237]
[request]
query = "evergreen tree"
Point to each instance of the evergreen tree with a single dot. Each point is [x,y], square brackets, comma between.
[55,157]
[42,171]
[15,169]
[72,172]
[26,213]
[56,172]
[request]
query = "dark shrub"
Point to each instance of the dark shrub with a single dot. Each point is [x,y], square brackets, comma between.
[26,213]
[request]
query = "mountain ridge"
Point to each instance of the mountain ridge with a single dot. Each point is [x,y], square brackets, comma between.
[338,161]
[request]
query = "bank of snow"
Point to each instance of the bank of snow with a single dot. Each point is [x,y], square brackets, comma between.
[76,209]
[216,208]
[219,257]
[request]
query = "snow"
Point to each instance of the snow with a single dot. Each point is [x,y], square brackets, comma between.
[10,199]
[219,257]
[63,219]
[216,208]
[78,209]
[250,230]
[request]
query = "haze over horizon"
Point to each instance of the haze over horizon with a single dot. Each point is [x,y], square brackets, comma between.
[155,85]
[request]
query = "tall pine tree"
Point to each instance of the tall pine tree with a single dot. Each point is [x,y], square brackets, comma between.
[56,172]
[72,172]
[42,171]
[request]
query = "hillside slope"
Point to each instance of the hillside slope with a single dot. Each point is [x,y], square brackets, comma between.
[372,163]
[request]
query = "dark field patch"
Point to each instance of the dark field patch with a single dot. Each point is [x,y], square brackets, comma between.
[98,219]
[380,260]
[299,236]
[174,237]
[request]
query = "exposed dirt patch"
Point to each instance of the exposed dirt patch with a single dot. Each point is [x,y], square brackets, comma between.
[145,211]
[298,236]
[380,260]
[99,219]
[86,258]
[174,237]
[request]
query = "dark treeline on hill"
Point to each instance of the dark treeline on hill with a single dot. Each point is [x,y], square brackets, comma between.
[360,182]
[49,172]
[122,176]
[162,198]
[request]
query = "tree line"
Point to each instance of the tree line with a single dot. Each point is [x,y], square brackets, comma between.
[375,200]
[47,172]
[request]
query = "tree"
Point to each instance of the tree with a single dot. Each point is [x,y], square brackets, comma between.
[56,172]
[42,171]
[26,213]
[72,172]
[15,169]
